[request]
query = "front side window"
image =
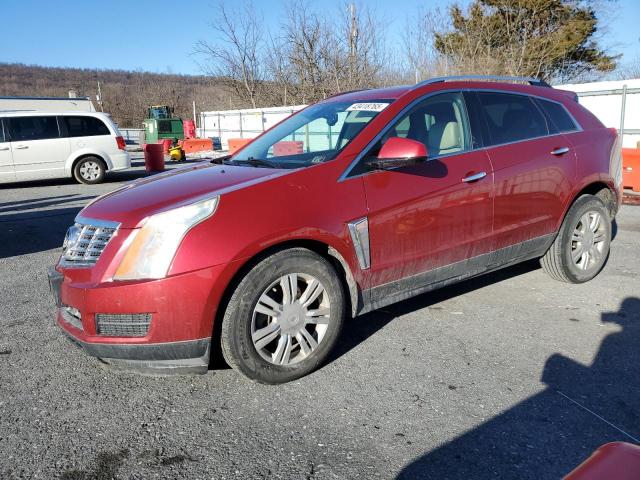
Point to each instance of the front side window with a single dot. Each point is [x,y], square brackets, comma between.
[81,126]
[511,118]
[33,128]
[440,122]
[315,135]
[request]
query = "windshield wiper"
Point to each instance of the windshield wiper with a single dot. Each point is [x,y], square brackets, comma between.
[255,162]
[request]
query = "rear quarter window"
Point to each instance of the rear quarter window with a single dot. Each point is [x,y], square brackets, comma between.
[557,115]
[82,126]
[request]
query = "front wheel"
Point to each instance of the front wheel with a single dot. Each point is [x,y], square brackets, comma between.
[581,248]
[284,317]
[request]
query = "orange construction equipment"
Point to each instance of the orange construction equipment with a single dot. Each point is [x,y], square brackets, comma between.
[166,143]
[191,145]
[631,168]
[236,144]
[286,147]
[189,128]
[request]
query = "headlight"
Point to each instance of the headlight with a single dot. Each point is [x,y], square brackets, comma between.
[153,247]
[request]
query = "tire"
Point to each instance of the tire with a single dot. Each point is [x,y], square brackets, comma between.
[89,170]
[275,349]
[566,260]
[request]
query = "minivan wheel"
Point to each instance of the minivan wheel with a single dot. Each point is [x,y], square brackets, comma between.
[582,246]
[284,317]
[89,170]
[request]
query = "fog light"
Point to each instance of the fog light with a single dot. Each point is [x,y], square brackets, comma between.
[72,316]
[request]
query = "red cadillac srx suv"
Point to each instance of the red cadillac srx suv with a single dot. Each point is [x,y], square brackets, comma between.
[359,201]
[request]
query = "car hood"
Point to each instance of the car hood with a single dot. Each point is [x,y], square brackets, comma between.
[134,202]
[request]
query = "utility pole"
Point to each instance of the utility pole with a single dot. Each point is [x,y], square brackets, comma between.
[100,98]
[353,41]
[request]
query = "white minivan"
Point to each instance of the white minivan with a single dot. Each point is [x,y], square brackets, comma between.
[37,145]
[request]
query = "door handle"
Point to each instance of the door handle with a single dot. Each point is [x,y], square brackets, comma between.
[3,149]
[475,177]
[21,147]
[559,151]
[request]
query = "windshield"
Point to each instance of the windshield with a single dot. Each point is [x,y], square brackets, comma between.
[315,135]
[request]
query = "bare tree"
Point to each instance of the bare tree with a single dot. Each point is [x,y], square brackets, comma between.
[237,57]
[421,57]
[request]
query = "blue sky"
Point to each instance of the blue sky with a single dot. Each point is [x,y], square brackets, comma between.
[159,35]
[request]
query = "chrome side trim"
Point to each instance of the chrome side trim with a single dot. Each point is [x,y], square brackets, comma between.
[359,230]
[345,175]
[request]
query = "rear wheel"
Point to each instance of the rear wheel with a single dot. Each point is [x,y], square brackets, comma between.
[582,246]
[284,317]
[89,170]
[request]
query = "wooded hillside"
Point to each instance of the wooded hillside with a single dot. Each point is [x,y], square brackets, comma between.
[125,94]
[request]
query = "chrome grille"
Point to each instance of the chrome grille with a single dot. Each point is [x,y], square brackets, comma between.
[86,240]
[124,325]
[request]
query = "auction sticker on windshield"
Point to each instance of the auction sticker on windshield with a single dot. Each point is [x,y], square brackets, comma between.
[367,107]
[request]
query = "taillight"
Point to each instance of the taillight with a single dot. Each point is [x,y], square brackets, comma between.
[121,144]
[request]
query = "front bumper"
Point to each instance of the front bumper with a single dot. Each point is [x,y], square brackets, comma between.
[182,310]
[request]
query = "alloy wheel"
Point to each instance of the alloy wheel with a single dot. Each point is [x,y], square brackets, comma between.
[290,319]
[588,241]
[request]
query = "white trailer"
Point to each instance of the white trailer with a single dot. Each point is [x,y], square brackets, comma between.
[615,103]
[245,123]
[47,104]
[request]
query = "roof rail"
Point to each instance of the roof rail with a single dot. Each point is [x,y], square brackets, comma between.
[485,78]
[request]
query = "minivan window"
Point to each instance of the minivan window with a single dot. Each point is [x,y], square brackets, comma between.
[82,126]
[32,128]
[558,116]
[511,118]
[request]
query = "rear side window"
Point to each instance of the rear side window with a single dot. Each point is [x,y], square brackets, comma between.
[557,115]
[511,118]
[32,128]
[81,126]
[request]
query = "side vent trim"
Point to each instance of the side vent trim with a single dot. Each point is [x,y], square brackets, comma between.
[359,230]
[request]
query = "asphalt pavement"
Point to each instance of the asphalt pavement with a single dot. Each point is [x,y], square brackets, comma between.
[511,375]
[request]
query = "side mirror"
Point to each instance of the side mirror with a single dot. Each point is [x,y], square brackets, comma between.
[399,152]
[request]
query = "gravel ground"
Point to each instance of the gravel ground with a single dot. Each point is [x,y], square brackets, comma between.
[511,375]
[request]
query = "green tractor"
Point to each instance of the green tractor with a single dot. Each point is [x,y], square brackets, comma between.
[161,123]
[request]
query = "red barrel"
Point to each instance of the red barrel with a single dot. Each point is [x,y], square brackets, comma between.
[166,143]
[189,127]
[153,157]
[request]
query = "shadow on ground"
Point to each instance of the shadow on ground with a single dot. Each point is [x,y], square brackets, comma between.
[549,434]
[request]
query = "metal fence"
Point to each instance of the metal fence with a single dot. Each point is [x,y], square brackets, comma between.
[131,135]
